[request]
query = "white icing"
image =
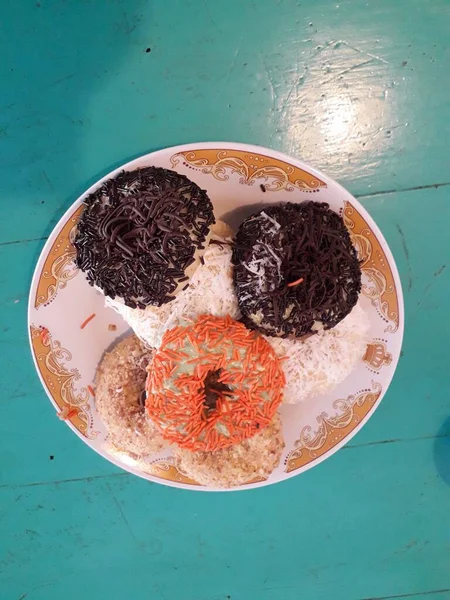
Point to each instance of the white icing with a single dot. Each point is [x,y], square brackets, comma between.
[322,361]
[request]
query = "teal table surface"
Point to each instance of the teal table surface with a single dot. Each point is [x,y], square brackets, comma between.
[359,89]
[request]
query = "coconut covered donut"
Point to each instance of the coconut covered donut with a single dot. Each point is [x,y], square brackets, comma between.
[253,458]
[294,268]
[120,383]
[213,384]
[320,362]
[142,234]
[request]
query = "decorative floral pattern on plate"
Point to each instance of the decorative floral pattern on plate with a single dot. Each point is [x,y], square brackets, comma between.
[51,359]
[59,267]
[379,285]
[332,429]
[166,469]
[252,167]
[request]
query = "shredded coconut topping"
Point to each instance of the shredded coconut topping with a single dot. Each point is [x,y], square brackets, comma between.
[322,361]
[211,291]
[263,259]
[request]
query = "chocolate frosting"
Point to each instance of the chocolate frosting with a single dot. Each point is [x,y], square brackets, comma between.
[295,265]
[139,232]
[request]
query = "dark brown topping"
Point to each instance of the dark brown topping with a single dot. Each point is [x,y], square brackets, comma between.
[294,265]
[220,243]
[213,389]
[139,232]
[142,397]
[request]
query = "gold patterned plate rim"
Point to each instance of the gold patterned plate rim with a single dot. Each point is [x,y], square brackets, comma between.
[226,170]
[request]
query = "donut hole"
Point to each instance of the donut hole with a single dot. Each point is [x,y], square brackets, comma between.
[213,389]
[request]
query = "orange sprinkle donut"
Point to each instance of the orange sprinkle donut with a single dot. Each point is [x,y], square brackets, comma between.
[213,384]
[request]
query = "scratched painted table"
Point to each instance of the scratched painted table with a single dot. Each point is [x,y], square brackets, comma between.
[359,89]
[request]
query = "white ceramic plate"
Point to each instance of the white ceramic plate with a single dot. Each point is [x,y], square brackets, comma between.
[66,354]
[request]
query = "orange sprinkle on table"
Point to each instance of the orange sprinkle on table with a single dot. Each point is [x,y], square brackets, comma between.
[83,325]
[91,390]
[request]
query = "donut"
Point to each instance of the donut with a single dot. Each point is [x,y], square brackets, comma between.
[294,268]
[210,291]
[253,458]
[320,362]
[119,387]
[213,384]
[142,234]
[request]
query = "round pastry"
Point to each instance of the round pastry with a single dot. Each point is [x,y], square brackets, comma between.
[142,234]
[295,268]
[213,384]
[253,458]
[119,398]
[320,362]
[210,291]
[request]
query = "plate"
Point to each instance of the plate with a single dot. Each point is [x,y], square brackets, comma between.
[67,344]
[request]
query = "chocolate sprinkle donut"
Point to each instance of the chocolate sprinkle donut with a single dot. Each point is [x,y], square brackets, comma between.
[294,266]
[139,232]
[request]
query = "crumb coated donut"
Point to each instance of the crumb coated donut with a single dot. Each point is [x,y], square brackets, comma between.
[210,291]
[295,267]
[120,382]
[213,384]
[141,235]
[253,458]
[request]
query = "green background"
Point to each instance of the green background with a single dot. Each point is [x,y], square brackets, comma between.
[359,89]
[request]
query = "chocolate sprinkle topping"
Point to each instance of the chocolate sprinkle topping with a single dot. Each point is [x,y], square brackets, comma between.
[142,397]
[213,389]
[306,245]
[139,232]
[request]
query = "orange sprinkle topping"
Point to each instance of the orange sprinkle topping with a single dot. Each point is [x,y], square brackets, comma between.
[243,361]
[84,323]
[296,282]
[91,390]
